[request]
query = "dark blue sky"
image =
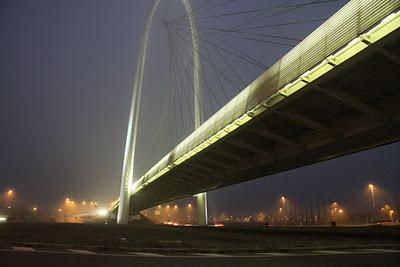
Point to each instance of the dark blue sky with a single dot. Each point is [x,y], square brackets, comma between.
[66,79]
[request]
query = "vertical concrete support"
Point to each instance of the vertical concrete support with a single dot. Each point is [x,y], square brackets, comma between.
[202,212]
[202,216]
[129,156]
[197,66]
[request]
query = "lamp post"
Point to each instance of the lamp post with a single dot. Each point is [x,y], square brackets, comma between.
[391,212]
[283,210]
[10,195]
[372,189]
[67,202]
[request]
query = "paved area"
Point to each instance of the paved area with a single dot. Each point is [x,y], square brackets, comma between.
[47,244]
[18,256]
[156,238]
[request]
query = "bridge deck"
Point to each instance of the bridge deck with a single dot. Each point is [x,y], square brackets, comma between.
[308,107]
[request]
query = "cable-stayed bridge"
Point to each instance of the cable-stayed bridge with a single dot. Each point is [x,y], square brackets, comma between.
[335,93]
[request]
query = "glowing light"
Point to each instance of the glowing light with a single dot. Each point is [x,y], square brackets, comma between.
[371,186]
[3,219]
[34,209]
[10,193]
[59,210]
[83,202]
[102,212]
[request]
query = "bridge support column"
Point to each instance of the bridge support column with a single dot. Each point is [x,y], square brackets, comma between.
[202,197]
[129,156]
[124,198]
[202,212]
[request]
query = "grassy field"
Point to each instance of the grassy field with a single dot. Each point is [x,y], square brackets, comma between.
[116,238]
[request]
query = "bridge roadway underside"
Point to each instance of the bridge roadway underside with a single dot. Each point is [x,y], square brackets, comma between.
[353,107]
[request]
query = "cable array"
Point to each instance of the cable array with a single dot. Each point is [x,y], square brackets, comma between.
[227,36]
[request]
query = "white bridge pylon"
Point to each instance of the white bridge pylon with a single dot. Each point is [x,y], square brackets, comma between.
[129,155]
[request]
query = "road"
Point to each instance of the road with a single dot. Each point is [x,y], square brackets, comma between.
[82,258]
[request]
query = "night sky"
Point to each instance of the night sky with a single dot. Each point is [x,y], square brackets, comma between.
[66,78]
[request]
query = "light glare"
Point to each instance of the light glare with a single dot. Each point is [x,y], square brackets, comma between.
[102,212]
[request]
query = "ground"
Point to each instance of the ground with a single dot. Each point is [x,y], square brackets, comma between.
[51,244]
[169,239]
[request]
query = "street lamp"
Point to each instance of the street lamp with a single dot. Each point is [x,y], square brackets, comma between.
[67,202]
[340,212]
[372,187]
[34,209]
[281,210]
[391,212]
[10,193]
